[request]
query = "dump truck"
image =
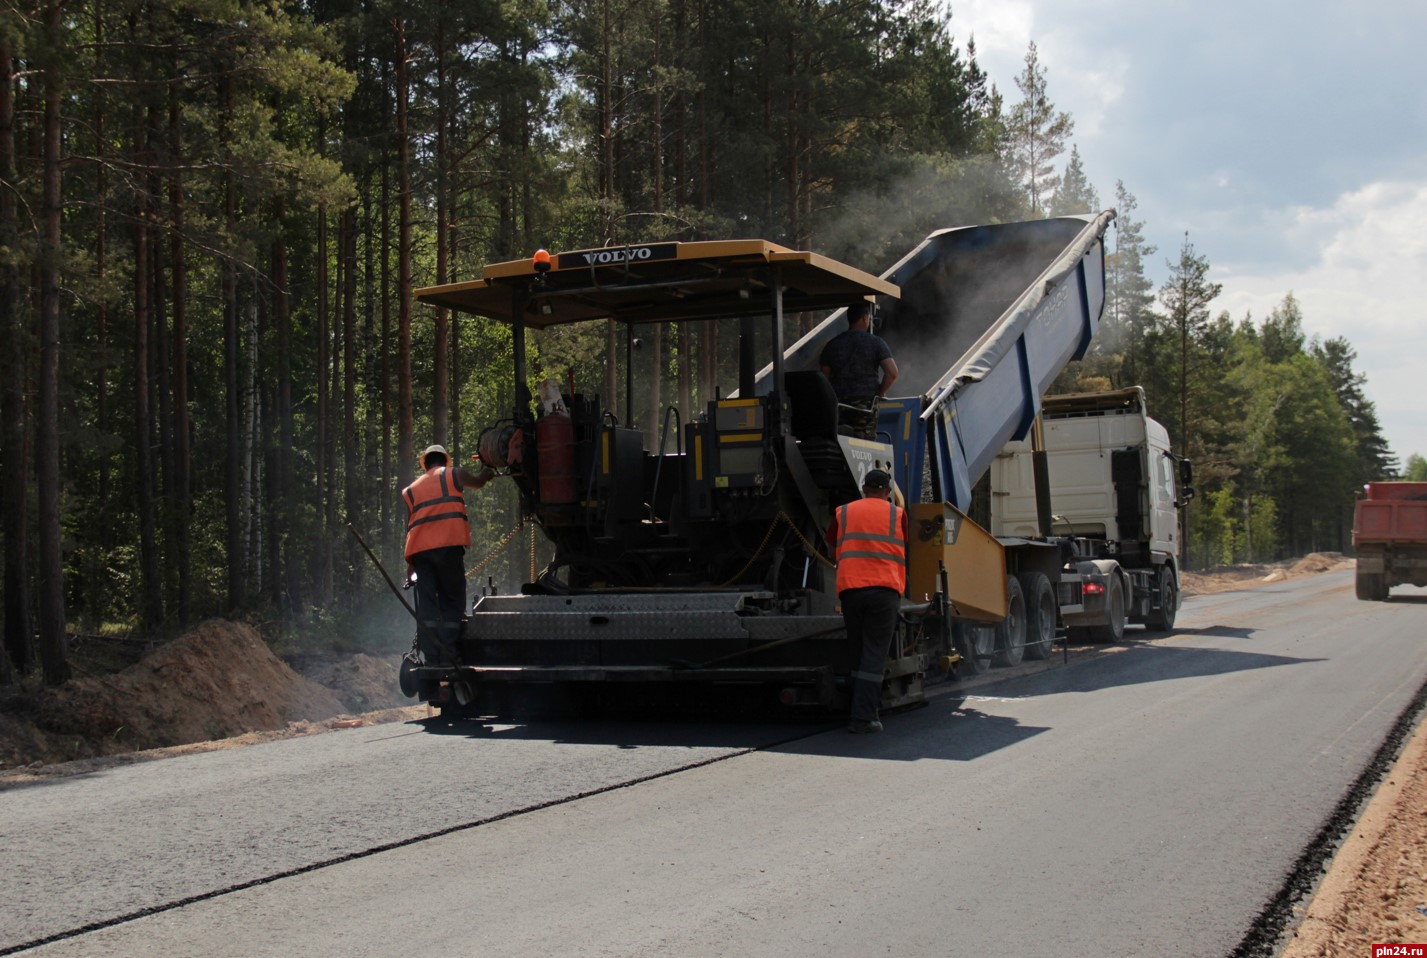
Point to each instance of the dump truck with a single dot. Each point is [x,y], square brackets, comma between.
[689,550]
[1390,537]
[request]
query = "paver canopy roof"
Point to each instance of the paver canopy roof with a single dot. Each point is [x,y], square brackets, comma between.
[659,282]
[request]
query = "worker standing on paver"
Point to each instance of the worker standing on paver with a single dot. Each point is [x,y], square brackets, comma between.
[869,538]
[437,536]
[860,366]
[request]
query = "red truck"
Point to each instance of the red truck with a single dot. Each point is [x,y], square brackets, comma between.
[1390,536]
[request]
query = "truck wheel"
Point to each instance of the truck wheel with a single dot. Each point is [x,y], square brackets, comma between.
[1011,631]
[1162,619]
[1372,586]
[975,643]
[1040,613]
[1113,629]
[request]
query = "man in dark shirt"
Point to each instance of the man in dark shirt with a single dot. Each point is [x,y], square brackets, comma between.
[860,367]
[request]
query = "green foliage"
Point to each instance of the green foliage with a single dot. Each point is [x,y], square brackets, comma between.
[1076,194]
[1214,528]
[1416,470]
[251,147]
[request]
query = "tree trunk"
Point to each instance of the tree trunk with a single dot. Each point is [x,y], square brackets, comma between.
[606,107]
[288,544]
[14,346]
[182,504]
[368,481]
[322,487]
[657,139]
[441,390]
[385,490]
[96,585]
[151,606]
[235,486]
[251,479]
[350,446]
[160,384]
[54,643]
[406,451]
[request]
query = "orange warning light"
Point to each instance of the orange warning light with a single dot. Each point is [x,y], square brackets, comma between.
[542,261]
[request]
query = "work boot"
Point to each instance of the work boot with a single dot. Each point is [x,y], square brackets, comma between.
[864,726]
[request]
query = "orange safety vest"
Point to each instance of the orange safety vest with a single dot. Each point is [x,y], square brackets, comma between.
[871,545]
[435,512]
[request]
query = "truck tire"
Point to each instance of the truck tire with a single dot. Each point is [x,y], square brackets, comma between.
[1162,619]
[1040,613]
[1372,586]
[1011,631]
[975,643]
[1113,628]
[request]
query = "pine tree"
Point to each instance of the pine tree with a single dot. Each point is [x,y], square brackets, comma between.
[1186,296]
[1375,459]
[1037,136]
[1129,296]
[1178,362]
[1076,194]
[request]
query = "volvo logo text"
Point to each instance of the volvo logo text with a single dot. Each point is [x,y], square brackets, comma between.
[605,256]
[615,257]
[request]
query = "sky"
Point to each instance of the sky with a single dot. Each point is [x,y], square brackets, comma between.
[1289,140]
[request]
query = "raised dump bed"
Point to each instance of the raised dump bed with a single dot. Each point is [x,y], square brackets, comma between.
[988,317]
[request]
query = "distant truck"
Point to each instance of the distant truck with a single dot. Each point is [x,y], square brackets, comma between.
[1390,536]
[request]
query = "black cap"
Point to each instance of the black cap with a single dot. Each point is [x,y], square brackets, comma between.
[876,479]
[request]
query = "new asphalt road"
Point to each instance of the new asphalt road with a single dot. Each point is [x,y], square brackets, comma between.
[1149,800]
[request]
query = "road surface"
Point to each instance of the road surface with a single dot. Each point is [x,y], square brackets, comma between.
[1149,800]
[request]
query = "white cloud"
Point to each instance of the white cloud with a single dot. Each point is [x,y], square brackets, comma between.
[1095,92]
[1366,281]
[1001,29]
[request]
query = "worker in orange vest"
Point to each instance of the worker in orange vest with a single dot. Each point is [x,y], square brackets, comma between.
[869,539]
[437,534]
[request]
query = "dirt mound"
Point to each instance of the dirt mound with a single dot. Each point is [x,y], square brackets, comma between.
[1227,578]
[1319,562]
[1222,578]
[219,680]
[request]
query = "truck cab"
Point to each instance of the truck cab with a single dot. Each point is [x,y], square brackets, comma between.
[1114,491]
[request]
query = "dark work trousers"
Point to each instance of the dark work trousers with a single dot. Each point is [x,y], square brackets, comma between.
[870,615]
[440,600]
[861,422]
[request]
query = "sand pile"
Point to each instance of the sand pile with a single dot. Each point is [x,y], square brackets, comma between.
[217,681]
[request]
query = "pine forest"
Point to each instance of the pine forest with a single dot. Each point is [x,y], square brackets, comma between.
[214,213]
